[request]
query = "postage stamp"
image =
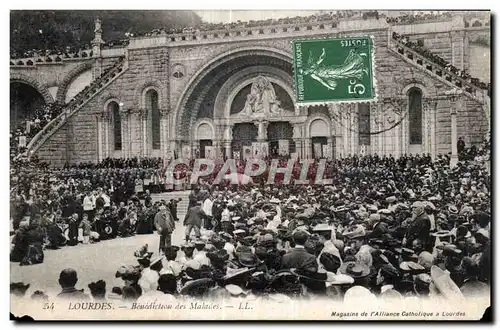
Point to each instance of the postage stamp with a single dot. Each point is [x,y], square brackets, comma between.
[333,70]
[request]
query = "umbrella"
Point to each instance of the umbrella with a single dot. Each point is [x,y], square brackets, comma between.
[237,178]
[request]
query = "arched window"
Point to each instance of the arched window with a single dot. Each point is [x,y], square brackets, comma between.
[415,115]
[364,124]
[114,109]
[152,106]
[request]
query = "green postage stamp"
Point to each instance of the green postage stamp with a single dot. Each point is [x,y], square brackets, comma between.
[333,70]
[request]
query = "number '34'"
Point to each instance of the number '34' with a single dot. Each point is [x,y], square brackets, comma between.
[47,305]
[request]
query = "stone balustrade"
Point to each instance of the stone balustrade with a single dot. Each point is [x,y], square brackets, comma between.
[477,23]
[51,59]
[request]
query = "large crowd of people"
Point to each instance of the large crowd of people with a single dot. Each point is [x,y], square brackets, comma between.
[419,48]
[26,128]
[66,52]
[385,226]
[418,18]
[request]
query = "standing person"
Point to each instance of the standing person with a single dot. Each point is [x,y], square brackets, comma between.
[89,205]
[165,225]
[193,197]
[207,209]
[173,208]
[73,230]
[460,145]
[193,220]
[85,226]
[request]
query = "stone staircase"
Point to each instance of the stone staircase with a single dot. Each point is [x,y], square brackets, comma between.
[82,98]
[182,206]
[482,96]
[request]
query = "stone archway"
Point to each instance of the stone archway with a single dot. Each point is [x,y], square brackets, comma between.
[69,78]
[208,81]
[40,87]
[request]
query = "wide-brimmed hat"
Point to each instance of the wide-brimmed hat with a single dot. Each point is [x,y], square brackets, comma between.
[441,233]
[266,240]
[247,259]
[406,253]
[445,284]
[235,290]
[197,287]
[391,199]
[411,266]
[239,232]
[313,274]
[218,256]
[199,241]
[322,227]
[449,249]
[452,209]
[172,249]
[187,245]
[354,269]
[232,273]
[356,231]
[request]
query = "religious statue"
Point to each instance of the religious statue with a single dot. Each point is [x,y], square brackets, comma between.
[262,99]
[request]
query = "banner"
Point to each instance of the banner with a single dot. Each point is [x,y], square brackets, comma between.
[264,149]
[284,147]
[247,152]
[318,151]
[186,152]
[326,151]
[255,149]
[210,152]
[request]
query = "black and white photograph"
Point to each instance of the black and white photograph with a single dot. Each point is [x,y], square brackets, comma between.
[256,165]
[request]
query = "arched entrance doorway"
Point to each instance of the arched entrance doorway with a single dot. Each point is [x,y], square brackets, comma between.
[319,133]
[24,101]
[198,100]
[205,136]
[280,135]
[244,134]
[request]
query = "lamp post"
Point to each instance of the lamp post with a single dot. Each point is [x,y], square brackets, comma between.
[454,95]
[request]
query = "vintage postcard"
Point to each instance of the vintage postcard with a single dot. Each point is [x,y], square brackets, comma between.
[250,165]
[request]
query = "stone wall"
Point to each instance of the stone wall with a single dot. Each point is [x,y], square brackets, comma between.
[153,67]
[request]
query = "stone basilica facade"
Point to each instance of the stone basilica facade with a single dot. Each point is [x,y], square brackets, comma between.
[230,93]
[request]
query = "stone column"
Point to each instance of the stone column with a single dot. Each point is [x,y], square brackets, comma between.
[228,140]
[427,141]
[143,115]
[345,129]
[297,139]
[99,118]
[405,139]
[354,128]
[125,122]
[331,152]
[164,133]
[107,117]
[433,108]
[380,126]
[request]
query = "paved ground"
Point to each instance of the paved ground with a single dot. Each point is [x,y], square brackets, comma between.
[92,262]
